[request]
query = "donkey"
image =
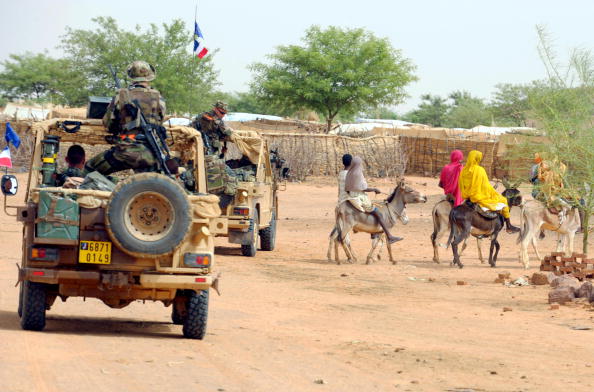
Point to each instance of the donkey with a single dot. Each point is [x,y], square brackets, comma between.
[348,219]
[535,216]
[464,218]
[441,219]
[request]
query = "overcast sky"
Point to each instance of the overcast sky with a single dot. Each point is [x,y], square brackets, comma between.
[455,44]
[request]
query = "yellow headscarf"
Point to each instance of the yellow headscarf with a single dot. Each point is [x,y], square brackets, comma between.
[475,186]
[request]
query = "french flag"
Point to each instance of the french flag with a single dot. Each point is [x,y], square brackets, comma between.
[5,157]
[199,46]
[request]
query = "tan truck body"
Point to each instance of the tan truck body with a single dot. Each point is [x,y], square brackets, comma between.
[125,277]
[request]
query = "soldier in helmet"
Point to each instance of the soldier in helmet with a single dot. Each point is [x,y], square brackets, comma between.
[123,121]
[221,179]
[213,128]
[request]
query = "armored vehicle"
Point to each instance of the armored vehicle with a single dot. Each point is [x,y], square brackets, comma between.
[252,212]
[144,238]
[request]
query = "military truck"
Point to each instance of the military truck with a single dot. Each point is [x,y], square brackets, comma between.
[253,211]
[146,238]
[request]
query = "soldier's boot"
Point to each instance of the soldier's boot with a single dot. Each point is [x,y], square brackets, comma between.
[511,229]
[382,223]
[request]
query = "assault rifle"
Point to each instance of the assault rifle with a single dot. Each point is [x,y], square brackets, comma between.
[115,77]
[153,135]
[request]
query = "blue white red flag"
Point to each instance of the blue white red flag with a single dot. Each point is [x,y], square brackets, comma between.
[5,157]
[199,46]
[11,136]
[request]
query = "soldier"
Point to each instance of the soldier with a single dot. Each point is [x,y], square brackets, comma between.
[213,129]
[75,158]
[123,121]
[221,179]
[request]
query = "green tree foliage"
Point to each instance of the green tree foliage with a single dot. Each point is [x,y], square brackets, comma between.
[431,111]
[36,77]
[510,104]
[185,82]
[381,112]
[248,102]
[335,71]
[467,111]
[563,106]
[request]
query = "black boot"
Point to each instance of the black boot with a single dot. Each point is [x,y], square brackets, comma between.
[391,238]
[511,229]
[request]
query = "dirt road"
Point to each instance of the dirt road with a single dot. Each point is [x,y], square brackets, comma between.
[290,321]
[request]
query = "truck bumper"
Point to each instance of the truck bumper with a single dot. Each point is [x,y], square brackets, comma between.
[147,280]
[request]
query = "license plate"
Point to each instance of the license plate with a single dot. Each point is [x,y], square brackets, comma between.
[94,252]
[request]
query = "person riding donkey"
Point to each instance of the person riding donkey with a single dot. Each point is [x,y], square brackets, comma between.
[476,188]
[450,175]
[342,194]
[356,188]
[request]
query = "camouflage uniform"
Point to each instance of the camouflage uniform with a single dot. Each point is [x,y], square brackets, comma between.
[221,179]
[120,120]
[69,172]
[214,130]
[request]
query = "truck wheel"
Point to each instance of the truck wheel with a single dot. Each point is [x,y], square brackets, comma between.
[33,311]
[268,235]
[195,322]
[20,309]
[179,308]
[250,249]
[148,215]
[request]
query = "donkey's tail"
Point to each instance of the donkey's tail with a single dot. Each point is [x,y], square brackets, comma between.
[338,229]
[453,228]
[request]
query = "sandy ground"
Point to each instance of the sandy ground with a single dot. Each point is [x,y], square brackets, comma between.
[290,321]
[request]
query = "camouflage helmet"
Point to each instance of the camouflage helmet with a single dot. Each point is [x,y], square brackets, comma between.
[141,71]
[221,106]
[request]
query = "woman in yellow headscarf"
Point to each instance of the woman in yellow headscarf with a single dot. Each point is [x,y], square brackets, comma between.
[475,186]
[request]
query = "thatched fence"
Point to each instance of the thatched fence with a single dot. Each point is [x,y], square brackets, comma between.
[385,156]
[320,154]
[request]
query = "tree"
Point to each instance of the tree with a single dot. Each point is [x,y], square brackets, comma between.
[335,71]
[381,112]
[563,105]
[467,111]
[431,111]
[34,77]
[510,104]
[247,102]
[186,82]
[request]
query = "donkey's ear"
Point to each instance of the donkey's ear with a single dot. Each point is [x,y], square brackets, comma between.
[505,183]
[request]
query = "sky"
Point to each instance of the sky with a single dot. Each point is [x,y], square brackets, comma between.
[468,45]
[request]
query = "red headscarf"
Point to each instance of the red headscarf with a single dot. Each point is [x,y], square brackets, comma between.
[450,175]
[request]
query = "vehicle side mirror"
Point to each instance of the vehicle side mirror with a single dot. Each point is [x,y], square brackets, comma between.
[10,185]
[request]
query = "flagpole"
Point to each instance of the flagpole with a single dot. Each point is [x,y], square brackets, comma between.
[196,12]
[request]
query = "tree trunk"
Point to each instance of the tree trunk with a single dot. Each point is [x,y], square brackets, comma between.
[586,226]
[328,124]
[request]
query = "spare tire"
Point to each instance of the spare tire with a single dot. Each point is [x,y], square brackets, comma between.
[148,215]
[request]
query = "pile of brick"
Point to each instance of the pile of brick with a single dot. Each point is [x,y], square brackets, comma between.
[577,265]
